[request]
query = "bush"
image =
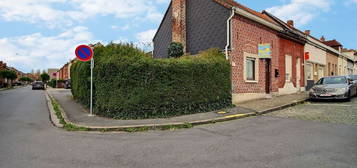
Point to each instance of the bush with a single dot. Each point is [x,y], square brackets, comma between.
[25,79]
[129,85]
[44,77]
[175,50]
[52,83]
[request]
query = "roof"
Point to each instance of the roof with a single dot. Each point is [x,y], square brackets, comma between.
[228,4]
[348,50]
[332,43]
[290,31]
[232,3]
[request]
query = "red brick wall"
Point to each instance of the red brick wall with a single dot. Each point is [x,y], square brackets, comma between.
[295,50]
[63,72]
[246,35]
[2,65]
[179,21]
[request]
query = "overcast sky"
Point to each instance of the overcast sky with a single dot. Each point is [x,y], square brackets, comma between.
[41,34]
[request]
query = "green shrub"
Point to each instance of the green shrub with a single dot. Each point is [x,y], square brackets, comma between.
[129,85]
[175,50]
[52,83]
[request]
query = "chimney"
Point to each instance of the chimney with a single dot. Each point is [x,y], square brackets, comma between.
[290,23]
[179,22]
[322,38]
[307,32]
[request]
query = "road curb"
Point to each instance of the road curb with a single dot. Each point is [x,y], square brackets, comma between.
[165,126]
[53,118]
[294,103]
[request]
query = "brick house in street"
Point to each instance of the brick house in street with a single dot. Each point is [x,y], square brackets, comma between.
[2,67]
[343,59]
[63,72]
[315,61]
[242,34]
[52,73]
[291,57]
[351,61]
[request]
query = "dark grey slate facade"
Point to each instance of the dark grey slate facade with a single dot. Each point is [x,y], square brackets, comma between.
[206,27]
[163,36]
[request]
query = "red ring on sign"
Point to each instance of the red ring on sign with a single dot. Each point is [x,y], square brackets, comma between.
[90,56]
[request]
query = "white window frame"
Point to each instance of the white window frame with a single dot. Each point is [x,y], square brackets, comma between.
[256,67]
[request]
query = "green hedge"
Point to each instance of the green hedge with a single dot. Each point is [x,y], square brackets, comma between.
[130,85]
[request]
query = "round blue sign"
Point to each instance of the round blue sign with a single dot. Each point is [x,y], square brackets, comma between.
[84,53]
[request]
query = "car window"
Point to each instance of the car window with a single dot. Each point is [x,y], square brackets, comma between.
[332,80]
[353,77]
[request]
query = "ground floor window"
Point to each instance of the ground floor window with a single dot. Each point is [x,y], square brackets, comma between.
[250,62]
[251,67]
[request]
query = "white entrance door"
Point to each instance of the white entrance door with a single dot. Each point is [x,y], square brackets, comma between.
[298,74]
[288,68]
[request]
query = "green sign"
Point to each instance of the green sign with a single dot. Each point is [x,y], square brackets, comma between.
[264,50]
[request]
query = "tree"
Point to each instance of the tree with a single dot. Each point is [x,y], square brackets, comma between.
[9,75]
[175,50]
[25,79]
[45,77]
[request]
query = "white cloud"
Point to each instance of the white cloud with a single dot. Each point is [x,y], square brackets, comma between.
[125,27]
[36,51]
[301,11]
[62,13]
[146,36]
[145,39]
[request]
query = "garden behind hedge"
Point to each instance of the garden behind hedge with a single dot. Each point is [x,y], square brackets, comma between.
[129,84]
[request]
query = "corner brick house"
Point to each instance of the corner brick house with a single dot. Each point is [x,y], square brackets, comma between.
[240,33]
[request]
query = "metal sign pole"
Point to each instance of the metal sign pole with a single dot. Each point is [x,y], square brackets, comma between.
[91,86]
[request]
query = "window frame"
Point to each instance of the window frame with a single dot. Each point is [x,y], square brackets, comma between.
[255,58]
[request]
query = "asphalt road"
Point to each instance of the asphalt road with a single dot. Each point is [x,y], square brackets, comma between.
[28,140]
[339,112]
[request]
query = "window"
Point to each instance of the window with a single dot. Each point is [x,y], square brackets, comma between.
[250,69]
[332,80]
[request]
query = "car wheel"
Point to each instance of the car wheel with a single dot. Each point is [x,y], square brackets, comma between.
[349,96]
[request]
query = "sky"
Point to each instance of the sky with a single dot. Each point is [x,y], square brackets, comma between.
[41,34]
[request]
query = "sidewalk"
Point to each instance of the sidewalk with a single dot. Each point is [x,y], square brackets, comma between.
[78,115]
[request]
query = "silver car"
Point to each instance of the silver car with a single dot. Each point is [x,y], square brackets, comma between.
[333,88]
[38,85]
[354,78]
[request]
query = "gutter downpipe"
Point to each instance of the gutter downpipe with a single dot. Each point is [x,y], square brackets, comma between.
[229,32]
[229,43]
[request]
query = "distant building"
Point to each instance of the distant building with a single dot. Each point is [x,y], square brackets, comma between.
[64,73]
[2,67]
[52,72]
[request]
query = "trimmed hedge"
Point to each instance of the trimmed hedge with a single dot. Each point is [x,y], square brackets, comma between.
[130,85]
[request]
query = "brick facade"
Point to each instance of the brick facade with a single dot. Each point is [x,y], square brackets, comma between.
[295,50]
[179,21]
[63,72]
[198,31]
[2,65]
[246,35]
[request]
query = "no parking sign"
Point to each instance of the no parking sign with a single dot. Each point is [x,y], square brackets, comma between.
[85,53]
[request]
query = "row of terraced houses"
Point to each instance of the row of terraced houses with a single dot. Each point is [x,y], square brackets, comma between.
[267,55]
[3,66]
